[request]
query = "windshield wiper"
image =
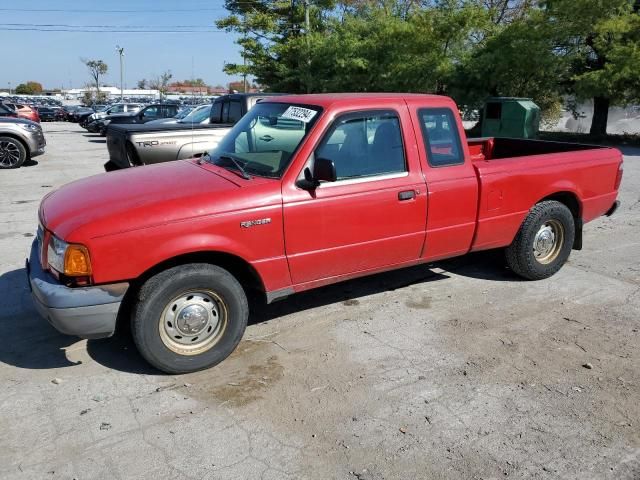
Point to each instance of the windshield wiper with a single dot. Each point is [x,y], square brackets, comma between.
[242,171]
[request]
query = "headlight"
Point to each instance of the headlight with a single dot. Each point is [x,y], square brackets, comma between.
[106,122]
[30,127]
[70,259]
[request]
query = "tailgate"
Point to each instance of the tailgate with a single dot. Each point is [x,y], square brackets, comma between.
[116,145]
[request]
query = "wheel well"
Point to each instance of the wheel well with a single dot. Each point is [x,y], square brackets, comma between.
[131,150]
[236,266]
[239,268]
[22,142]
[570,200]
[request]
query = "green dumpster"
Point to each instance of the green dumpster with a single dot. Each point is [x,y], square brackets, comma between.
[510,117]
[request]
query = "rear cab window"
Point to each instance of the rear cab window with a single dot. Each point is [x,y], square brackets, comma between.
[441,137]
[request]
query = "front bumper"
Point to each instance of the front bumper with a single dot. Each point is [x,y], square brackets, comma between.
[87,312]
[36,143]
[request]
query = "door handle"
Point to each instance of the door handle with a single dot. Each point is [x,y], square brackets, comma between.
[406,195]
[266,138]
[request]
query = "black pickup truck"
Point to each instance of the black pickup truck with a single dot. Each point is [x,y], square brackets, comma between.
[135,145]
[150,112]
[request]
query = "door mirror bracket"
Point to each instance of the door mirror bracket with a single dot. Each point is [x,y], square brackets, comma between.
[324,170]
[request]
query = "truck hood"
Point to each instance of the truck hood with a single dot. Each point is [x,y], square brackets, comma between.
[135,198]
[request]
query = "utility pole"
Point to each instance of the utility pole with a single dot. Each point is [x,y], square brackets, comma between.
[244,56]
[120,50]
[307,28]
[306,17]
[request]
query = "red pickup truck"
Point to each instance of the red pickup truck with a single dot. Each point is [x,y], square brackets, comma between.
[304,191]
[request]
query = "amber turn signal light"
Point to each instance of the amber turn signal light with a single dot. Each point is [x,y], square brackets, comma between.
[76,261]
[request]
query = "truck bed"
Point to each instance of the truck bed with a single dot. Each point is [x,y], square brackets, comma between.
[514,174]
[488,148]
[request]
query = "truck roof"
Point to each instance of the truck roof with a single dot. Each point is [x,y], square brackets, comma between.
[326,99]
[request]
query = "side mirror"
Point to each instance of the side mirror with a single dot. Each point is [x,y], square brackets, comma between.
[323,170]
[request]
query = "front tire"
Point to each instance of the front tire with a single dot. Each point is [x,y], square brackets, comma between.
[544,241]
[189,318]
[12,153]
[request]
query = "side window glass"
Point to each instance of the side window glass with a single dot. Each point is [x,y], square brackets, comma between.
[364,144]
[235,111]
[441,137]
[225,112]
[151,112]
[216,112]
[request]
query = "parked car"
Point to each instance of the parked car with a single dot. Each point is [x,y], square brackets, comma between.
[135,145]
[60,114]
[199,114]
[47,114]
[67,110]
[304,191]
[7,112]
[80,113]
[147,114]
[92,120]
[24,111]
[20,139]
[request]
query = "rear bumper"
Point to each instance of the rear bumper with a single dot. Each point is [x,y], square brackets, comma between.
[86,312]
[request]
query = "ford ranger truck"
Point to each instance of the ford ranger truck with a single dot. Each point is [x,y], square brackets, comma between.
[304,191]
[136,145]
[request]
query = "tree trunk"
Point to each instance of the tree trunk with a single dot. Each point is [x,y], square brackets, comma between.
[600,116]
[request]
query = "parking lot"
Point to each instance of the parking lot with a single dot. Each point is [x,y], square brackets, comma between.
[453,370]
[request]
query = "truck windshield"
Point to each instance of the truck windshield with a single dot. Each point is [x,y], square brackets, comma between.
[265,139]
[197,115]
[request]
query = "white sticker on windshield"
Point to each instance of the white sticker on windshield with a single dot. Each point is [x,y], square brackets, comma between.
[298,113]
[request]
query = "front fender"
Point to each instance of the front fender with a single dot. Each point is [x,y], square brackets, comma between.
[128,255]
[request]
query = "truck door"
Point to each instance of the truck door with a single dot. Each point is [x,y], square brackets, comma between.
[451,181]
[374,215]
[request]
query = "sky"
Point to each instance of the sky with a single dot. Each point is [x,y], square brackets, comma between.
[53,58]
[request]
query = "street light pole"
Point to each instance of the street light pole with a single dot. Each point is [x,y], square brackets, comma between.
[120,50]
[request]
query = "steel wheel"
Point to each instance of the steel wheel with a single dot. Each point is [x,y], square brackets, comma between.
[193,322]
[548,241]
[10,154]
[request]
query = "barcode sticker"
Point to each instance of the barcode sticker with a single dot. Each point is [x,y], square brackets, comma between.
[298,113]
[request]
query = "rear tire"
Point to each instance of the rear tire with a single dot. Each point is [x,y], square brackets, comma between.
[543,243]
[12,153]
[189,318]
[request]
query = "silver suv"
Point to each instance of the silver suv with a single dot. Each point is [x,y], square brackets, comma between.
[20,139]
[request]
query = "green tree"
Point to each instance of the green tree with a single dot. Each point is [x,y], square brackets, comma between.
[351,45]
[601,40]
[469,49]
[272,45]
[515,60]
[29,88]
